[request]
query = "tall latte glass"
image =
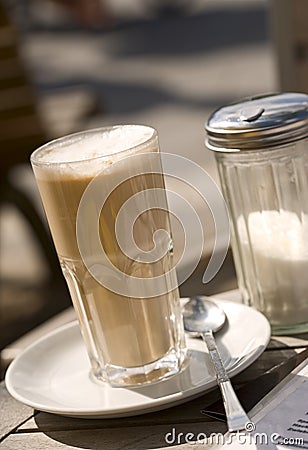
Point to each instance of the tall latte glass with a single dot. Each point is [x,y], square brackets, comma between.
[104,196]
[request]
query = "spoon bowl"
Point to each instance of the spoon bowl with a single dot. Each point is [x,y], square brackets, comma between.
[201,314]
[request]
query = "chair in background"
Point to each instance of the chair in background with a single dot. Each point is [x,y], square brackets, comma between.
[21,131]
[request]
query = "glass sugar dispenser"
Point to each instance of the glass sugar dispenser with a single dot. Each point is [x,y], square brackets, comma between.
[261,149]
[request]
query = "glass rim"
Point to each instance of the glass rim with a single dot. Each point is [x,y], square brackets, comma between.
[76,137]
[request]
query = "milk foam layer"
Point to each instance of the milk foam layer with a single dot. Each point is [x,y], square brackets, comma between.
[93,144]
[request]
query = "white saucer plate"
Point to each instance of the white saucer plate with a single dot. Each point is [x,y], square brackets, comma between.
[53,374]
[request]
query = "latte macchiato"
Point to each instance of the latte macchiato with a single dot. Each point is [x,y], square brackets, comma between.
[130,339]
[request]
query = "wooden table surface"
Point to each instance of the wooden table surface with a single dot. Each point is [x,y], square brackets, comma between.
[23,428]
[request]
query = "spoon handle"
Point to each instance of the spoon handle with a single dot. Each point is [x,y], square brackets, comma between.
[236,417]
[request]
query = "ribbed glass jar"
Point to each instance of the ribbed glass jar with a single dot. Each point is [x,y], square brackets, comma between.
[266,189]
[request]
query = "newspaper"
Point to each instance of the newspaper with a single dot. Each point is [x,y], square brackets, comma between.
[280,420]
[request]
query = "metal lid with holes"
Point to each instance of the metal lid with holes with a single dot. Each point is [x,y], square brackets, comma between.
[259,123]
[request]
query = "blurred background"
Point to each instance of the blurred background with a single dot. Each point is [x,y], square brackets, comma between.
[69,65]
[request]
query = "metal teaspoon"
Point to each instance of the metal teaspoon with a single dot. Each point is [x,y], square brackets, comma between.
[202,317]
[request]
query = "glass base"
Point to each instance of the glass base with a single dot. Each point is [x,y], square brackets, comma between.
[279,330]
[170,364]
